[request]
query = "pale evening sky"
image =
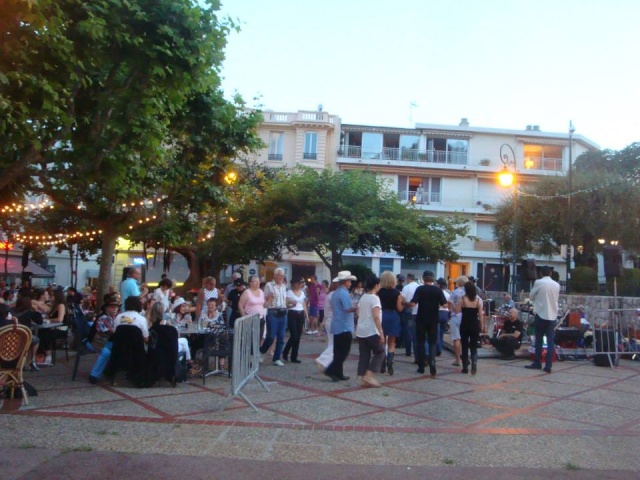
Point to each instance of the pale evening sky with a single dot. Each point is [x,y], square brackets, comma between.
[500,63]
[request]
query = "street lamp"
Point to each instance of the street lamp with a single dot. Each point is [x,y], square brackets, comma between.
[569,217]
[506,179]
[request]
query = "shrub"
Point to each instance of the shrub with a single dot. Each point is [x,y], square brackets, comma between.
[584,280]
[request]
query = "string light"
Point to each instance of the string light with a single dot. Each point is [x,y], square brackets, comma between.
[45,239]
[28,207]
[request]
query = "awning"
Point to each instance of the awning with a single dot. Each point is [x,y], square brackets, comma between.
[14,267]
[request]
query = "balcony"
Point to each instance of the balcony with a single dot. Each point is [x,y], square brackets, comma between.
[407,155]
[542,163]
[486,246]
[299,117]
[424,198]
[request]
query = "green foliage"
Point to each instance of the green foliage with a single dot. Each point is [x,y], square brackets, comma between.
[329,212]
[584,280]
[110,101]
[629,283]
[360,271]
[605,203]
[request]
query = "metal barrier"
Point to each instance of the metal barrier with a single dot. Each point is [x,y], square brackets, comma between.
[614,333]
[246,355]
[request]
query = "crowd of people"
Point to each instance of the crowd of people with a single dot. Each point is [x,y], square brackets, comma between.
[381,313]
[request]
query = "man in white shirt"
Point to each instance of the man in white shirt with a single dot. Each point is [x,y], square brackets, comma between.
[132,316]
[408,317]
[544,295]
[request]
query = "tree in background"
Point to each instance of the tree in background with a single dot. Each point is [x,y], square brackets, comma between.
[605,203]
[330,212]
[103,102]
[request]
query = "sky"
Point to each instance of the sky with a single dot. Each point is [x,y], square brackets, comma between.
[499,63]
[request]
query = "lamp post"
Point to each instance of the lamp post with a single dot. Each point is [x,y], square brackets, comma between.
[569,217]
[506,179]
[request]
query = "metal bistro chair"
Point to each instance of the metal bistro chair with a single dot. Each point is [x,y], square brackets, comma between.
[15,341]
[217,343]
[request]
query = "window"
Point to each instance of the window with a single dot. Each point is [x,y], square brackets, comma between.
[385,264]
[371,145]
[409,147]
[310,146]
[447,150]
[420,190]
[543,157]
[276,140]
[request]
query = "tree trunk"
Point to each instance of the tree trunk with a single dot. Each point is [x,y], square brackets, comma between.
[194,280]
[336,263]
[109,237]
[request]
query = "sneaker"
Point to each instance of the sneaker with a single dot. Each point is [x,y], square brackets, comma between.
[278,363]
[261,358]
[296,361]
[456,364]
[93,380]
[547,369]
[309,332]
[315,332]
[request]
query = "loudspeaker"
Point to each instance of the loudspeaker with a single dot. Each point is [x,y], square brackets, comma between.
[606,348]
[612,261]
[529,269]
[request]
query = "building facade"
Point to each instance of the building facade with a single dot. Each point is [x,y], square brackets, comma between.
[441,169]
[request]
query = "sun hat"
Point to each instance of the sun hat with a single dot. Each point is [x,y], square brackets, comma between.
[179,301]
[343,276]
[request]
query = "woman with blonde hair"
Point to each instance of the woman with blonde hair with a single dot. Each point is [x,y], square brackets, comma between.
[391,302]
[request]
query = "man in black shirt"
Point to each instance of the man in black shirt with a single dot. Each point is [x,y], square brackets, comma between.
[511,336]
[234,298]
[429,298]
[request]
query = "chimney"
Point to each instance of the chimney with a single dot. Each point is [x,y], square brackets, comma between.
[536,128]
[528,129]
[464,122]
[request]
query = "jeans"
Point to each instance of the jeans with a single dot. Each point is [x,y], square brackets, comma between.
[544,328]
[408,323]
[368,346]
[276,326]
[295,321]
[341,348]
[426,331]
[101,362]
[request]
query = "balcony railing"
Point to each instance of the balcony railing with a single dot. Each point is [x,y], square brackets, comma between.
[541,163]
[424,198]
[309,156]
[275,156]
[278,117]
[408,155]
[486,246]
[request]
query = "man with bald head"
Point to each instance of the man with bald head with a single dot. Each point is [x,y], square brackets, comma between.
[511,336]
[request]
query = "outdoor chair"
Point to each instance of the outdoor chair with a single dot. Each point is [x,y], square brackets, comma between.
[217,343]
[128,354]
[15,341]
[162,356]
[81,339]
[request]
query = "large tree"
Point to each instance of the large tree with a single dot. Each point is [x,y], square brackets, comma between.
[605,203]
[105,113]
[329,212]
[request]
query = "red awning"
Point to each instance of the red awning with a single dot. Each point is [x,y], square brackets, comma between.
[14,267]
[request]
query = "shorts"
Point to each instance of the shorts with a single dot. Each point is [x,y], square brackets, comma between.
[313,311]
[454,327]
[391,323]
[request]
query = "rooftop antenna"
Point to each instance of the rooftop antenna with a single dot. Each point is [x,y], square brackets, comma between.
[412,105]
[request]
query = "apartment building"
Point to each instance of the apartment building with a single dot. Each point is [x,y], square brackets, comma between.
[441,169]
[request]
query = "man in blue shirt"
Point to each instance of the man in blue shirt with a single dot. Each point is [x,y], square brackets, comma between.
[342,326]
[129,287]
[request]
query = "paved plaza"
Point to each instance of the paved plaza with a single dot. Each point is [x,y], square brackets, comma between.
[581,421]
